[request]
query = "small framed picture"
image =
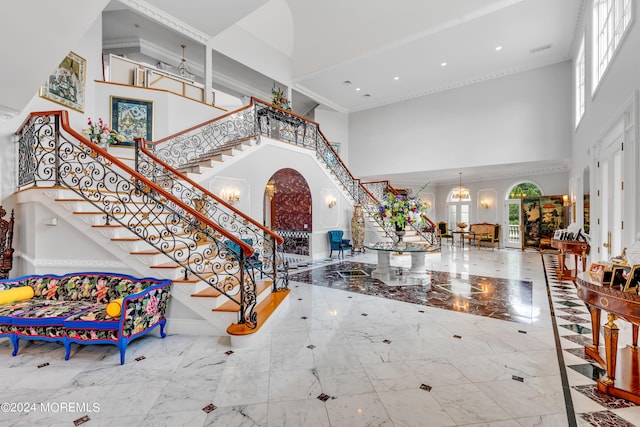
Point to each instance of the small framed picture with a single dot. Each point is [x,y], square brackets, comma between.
[633,281]
[132,118]
[620,276]
[66,86]
[596,271]
[607,275]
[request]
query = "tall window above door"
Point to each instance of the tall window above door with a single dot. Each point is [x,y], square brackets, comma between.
[611,19]
[579,82]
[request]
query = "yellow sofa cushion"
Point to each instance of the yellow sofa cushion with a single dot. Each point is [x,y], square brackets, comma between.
[114,307]
[21,293]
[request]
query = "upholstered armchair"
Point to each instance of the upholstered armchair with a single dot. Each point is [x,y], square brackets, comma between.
[491,239]
[443,232]
[252,262]
[337,243]
[6,244]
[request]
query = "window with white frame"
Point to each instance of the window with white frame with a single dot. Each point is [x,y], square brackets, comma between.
[611,18]
[579,82]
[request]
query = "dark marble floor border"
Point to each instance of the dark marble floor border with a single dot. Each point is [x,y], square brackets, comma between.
[566,389]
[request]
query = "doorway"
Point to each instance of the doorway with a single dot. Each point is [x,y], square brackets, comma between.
[513,212]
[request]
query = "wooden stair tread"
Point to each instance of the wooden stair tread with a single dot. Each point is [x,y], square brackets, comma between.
[234,306]
[264,310]
[208,292]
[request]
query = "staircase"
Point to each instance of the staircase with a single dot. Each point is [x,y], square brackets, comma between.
[155,229]
[195,152]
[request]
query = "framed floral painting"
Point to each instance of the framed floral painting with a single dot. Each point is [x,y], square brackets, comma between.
[66,86]
[133,118]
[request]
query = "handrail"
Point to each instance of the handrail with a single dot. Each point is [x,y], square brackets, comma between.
[50,157]
[142,146]
[247,249]
[187,148]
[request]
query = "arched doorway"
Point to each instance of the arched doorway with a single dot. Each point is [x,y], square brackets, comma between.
[287,210]
[513,211]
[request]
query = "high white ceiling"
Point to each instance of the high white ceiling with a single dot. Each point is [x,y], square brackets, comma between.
[371,42]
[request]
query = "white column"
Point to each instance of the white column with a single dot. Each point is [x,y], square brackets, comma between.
[208,74]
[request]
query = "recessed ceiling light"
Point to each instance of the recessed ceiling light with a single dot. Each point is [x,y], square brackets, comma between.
[498,48]
[357,88]
[396,78]
[444,64]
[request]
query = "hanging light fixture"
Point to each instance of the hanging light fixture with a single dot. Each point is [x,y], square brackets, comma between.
[461,192]
[183,68]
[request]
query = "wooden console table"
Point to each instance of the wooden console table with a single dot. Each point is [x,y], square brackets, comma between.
[622,365]
[572,247]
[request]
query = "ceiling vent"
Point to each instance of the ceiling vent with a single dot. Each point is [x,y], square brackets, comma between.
[367,94]
[540,48]
[346,82]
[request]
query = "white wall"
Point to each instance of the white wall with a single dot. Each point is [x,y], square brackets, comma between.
[335,127]
[496,191]
[524,117]
[616,100]
[251,174]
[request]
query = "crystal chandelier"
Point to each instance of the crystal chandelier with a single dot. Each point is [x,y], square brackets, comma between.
[183,68]
[460,192]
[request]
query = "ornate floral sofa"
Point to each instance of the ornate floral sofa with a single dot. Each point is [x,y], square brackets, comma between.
[73,308]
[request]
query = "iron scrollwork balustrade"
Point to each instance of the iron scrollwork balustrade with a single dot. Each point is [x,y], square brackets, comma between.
[203,142]
[210,206]
[260,118]
[50,158]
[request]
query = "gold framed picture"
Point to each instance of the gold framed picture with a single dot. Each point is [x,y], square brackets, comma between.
[633,280]
[66,86]
[596,271]
[132,118]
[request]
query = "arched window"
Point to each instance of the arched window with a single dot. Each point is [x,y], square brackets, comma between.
[513,207]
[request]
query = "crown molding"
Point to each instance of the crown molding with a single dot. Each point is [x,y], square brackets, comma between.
[167,20]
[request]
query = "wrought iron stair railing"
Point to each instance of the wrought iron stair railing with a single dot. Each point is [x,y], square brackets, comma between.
[261,118]
[262,239]
[50,157]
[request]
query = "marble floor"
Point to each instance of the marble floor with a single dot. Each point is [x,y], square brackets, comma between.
[481,348]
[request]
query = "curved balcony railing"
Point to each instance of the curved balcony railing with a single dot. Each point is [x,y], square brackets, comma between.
[50,157]
[261,118]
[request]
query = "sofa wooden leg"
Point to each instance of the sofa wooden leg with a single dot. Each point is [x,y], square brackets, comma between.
[162,325]
[67,348]
[14,341]
[122,345]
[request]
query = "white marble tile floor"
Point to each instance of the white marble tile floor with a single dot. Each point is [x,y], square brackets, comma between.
[333,358]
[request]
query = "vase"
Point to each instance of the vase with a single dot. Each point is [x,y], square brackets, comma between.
[357,228]
[399,232]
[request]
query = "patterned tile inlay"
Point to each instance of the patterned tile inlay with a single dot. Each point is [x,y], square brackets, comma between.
[579,352]
[579,339]
[569,303]
[609,402]
[574,319]
[573,311]
[577,328]
[605,419]
[502,299]
[590,371]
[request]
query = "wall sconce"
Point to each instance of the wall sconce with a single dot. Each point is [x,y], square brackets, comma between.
[270,189]
[565,200]
[230,194]
[331,201]
[485,203]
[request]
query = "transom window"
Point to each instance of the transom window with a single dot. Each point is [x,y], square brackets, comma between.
[611,18]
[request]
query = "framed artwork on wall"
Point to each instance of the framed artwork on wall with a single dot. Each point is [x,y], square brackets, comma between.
[66,86]
[133,118]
